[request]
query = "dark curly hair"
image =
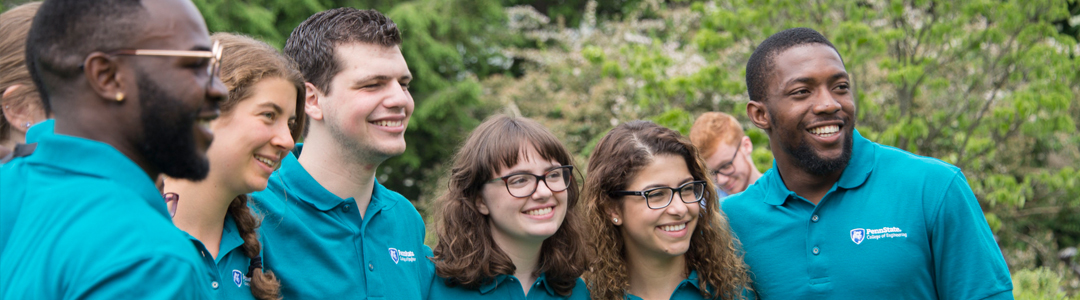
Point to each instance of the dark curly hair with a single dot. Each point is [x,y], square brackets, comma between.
[760,66]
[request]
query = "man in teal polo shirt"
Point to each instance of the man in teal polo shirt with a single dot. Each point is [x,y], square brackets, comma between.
[841,217]
[331,230]
[81,217]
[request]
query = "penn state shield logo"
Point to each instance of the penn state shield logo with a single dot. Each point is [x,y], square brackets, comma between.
[858,235]
[394,255]
[237,278]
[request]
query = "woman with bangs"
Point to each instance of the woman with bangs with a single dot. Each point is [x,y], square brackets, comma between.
[508,227]
[258,125]
[658,233]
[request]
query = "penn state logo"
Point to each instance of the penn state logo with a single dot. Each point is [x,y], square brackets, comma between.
[394,255]
[237,278]
[858,235]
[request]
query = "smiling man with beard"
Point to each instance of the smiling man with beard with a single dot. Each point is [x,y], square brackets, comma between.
[131,84]
[841,217]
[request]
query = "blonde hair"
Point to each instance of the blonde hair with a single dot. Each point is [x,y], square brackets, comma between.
[14,27]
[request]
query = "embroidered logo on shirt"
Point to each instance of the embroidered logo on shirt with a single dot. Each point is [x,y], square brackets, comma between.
[237,277]
[401,255]
[858,235]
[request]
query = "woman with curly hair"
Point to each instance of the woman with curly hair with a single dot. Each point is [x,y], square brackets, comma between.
[508,227]
[258,124]
[657,230]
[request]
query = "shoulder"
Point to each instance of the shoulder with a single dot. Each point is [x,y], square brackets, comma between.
[748,199]
[894,159]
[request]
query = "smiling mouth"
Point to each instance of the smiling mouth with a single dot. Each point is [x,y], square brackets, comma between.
[539,211]
[272,164]
[670,228]
[825,131]
[387,123]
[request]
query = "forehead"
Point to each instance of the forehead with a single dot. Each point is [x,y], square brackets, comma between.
[363,60]
[174,25]
[809,60]
[722,153]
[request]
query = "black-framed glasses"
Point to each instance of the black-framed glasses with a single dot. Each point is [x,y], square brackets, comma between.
[214,54]
[726,168]
[523,185]
[171,198]
[660,197]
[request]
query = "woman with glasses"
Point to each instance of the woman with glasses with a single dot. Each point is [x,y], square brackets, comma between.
[256,129]
[508,227]
[653,237]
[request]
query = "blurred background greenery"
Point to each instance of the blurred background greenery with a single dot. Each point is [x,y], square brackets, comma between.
[991,86]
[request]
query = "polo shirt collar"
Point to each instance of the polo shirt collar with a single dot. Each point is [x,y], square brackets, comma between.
[692,279]
[230,238]
[40,129]
[297,180]
[97,159]
[494,283]
[855,174]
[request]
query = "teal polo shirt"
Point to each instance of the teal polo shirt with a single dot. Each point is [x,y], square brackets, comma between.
[506,287]
[82,221]
[321,248]
[226,275]
[689,289]
[895,226]
[40,129]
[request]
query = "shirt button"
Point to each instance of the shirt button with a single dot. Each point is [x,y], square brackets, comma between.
[814,218]
[346,208]
[816,251]
[214,284]
[371,267]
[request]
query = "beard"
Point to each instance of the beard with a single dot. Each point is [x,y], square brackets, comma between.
[814,164]
[168,134]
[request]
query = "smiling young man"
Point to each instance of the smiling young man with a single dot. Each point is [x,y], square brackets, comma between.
[332,231]
[130,83]
[727,150]
[841,217]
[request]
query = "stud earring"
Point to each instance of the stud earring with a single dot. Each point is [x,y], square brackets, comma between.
[27,124]
[119,96]
[616,220]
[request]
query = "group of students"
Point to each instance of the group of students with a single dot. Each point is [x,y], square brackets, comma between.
[138,90]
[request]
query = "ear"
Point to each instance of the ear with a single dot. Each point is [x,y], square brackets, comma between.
[481,206]
[615,216]
[311,102]
[104,76]
[759,114]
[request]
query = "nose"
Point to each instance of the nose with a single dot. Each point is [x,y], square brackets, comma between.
[721,179]
[678,207]
[399,97]
[826,102]
[542,191]
[216,92]
[282,138]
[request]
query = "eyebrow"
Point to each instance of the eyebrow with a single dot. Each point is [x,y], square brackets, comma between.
[380,78]
[810,80]
[656,185]
[276,108]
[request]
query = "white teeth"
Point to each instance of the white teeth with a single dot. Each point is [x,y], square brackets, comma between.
[204,123]
[388,123]
[539,212]
[673,227]
[826,130]
[266,161]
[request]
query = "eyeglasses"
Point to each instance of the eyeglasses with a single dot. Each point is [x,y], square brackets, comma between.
[174,199]
[658,198]
[727,168]
[524,185]
[214,54]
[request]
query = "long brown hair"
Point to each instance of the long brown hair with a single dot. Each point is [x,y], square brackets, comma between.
[14,26]
[244,63]
[466,253]
[714,253]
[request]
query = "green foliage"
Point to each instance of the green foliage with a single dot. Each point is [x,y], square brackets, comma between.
[1038,284]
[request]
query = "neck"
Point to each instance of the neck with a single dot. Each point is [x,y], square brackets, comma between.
[525,255]
[655,277]
[86,122]
[339,172]
[813,187]
[201,210]
[14,138]
[754,173]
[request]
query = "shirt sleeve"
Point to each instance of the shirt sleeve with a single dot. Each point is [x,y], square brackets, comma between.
[156,278]
[968,263]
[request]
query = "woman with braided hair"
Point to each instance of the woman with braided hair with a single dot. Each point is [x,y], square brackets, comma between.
[258,125]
